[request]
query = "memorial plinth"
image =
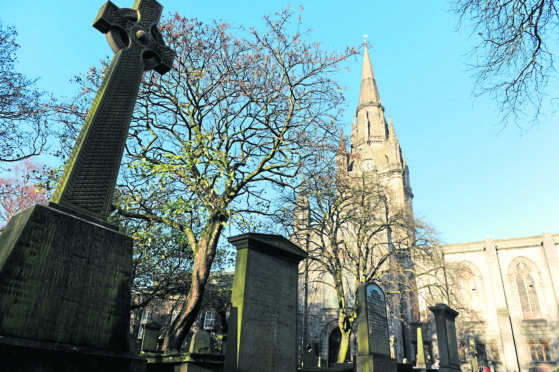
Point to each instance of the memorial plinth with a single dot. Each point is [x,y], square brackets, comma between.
[64,292]
[263,322]
[446,337]
[373,344]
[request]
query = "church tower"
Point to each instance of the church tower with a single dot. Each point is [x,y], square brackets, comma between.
[375,151]
[374,145]
[372,154]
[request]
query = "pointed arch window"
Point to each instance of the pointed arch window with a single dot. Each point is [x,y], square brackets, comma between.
[527,292]
[470,293]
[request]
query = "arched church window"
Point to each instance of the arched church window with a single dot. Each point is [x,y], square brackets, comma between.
[527,292]
[470,292]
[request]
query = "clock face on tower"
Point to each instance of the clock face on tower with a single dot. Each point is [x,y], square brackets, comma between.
[367,165]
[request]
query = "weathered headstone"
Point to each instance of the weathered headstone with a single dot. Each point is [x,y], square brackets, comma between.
[200,342]
[373,343]
[65,273]
[150,337]
[446,337]
[263,322]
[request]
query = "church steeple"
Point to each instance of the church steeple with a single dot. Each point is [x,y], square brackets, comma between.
[371,124]
[369,91]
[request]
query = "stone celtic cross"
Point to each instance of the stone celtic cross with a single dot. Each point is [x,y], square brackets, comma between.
[90,174]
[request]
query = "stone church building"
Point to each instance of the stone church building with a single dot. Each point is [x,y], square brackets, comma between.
[507,292]
[508,289]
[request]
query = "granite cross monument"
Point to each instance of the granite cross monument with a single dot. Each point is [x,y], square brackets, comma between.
[65,273]
[90,174]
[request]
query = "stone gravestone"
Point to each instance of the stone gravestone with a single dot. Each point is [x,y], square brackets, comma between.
[373,343]
[65,273]
[263,321]
[200,342]
[150,337]
[446,337]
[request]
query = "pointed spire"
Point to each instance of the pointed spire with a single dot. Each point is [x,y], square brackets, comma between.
[391,133]
[342,147]
[369,90]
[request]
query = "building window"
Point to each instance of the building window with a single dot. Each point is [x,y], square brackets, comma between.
[527,292]
[470,293]
[143,320]
[209,319]
[540,351]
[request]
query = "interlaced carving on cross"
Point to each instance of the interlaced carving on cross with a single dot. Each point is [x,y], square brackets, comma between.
[90,175]
[136,28]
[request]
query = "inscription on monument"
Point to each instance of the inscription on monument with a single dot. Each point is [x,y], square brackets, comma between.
[263,330]
[70,299]
[377,324]
[272,306]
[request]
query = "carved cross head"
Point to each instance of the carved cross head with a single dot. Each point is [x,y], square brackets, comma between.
[136,28]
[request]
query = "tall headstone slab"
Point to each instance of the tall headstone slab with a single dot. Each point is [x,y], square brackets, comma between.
[65,273]
[373,343]
[263,322]
[446,337]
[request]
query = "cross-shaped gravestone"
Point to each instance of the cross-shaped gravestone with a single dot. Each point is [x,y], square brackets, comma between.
[90,174]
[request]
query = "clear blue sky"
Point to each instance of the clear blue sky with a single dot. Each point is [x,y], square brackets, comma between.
[470,178]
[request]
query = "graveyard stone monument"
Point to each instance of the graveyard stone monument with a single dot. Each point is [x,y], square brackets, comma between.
[150,337]
[446,337]
[421,364]
[263,321]
[200,342]
[373,343]
[65,272]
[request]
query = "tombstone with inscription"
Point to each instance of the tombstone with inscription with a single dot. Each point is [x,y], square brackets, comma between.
[200,342]
[373,343]
[263,322]
[446,337]
[65,272]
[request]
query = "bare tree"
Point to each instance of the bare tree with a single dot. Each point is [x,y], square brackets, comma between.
[515,56]
[21,190]
[22,116]
[239,112]
[354,235]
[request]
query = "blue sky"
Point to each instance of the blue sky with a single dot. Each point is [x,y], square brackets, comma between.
[470,177]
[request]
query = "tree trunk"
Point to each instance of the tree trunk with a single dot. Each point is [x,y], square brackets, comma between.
[203,259]
[344,345]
